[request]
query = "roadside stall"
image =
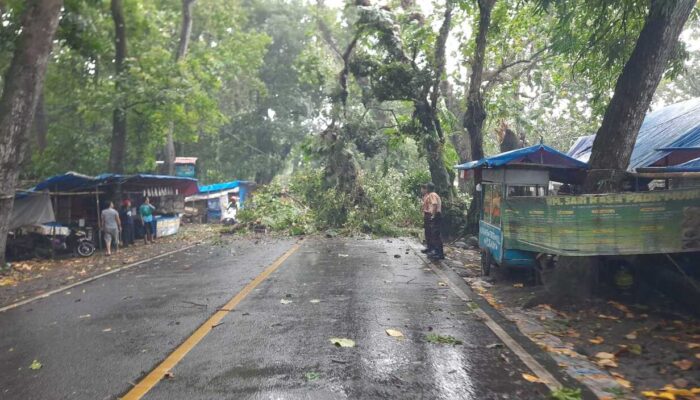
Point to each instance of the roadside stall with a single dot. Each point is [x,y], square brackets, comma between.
[523,224]
[78,199]
[213,203]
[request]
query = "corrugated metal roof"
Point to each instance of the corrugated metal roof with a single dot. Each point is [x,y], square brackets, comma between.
[675,126]
[537,154]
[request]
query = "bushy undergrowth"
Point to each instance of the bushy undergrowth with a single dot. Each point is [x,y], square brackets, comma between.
[390,205]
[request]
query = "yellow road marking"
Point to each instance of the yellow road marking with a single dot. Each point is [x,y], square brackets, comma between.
[157,374]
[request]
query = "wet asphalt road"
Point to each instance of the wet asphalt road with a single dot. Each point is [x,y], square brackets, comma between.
[98,339]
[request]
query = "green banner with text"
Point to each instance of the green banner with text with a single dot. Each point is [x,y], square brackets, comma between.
[608,224]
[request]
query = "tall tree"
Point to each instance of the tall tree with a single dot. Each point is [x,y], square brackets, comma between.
[183,44]
[117,154]
[410,68]
[614,142]
[22,86]
[476,111]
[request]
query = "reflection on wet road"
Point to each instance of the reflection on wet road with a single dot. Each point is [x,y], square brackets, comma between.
[276,343]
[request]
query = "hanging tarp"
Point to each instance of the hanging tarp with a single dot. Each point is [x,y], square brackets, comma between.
[31,208]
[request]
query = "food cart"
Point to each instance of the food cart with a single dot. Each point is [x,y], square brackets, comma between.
[531,211]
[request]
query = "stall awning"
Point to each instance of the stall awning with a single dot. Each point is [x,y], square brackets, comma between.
[73,181]
[534,155]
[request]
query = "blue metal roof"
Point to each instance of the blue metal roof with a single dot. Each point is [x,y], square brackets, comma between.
[538,154]
[221,186]
[662,132]
[690,166]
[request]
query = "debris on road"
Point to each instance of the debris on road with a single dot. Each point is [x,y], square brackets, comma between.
[342,342]
[532,378]
[35,365]
[394,333]
[440,339]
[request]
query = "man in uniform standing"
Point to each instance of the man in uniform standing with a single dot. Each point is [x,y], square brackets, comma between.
[432,219]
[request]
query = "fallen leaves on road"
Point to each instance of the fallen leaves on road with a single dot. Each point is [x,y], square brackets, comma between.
[314,301]
[631,336]
[532,378]
[606,360]
[343,255]
[683,364]
[168,375]
[670,392]
[697,356]
[693,346]
[312,376]
[342,342]
[610,317]
[623,308]
[624,382]
[442,284]
[84,316]
[605,355]
[285,301]
[439,339]
[518,285]
[596,340]
[394,333]
[8,281]
[35,365]
[107,330]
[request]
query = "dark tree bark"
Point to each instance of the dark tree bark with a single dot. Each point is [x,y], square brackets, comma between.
[41,125]
[185,33]
[117,154]
[476,111]
[614,142]
[23,82]
[426,112]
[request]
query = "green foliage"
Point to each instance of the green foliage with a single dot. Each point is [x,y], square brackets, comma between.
[566,394]
[307,207]
[273,207]
[440,339]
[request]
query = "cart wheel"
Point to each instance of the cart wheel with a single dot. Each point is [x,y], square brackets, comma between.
[486,261]
[86,249]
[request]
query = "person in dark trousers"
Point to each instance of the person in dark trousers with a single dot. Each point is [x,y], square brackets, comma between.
[432,220]
[127,217]
[149,222]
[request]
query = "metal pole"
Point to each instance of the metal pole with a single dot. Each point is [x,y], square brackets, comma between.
[99,222]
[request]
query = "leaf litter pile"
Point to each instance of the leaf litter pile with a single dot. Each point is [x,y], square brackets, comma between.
[650,351]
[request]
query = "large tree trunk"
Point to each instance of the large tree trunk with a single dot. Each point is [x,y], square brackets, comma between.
[426,112]
[23,83]
[41,125]
[614,142]
[117,154]
[476,111]
[185,32]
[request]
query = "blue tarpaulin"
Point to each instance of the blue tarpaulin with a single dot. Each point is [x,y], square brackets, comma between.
[226,186]
[539,154]
[667,132]
[74,182]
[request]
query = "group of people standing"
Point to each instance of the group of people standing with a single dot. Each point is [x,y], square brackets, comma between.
[118,226]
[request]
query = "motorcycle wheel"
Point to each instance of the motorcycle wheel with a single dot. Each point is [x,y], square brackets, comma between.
[86,249]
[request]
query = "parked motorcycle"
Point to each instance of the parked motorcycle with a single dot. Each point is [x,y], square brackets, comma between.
[76,242]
